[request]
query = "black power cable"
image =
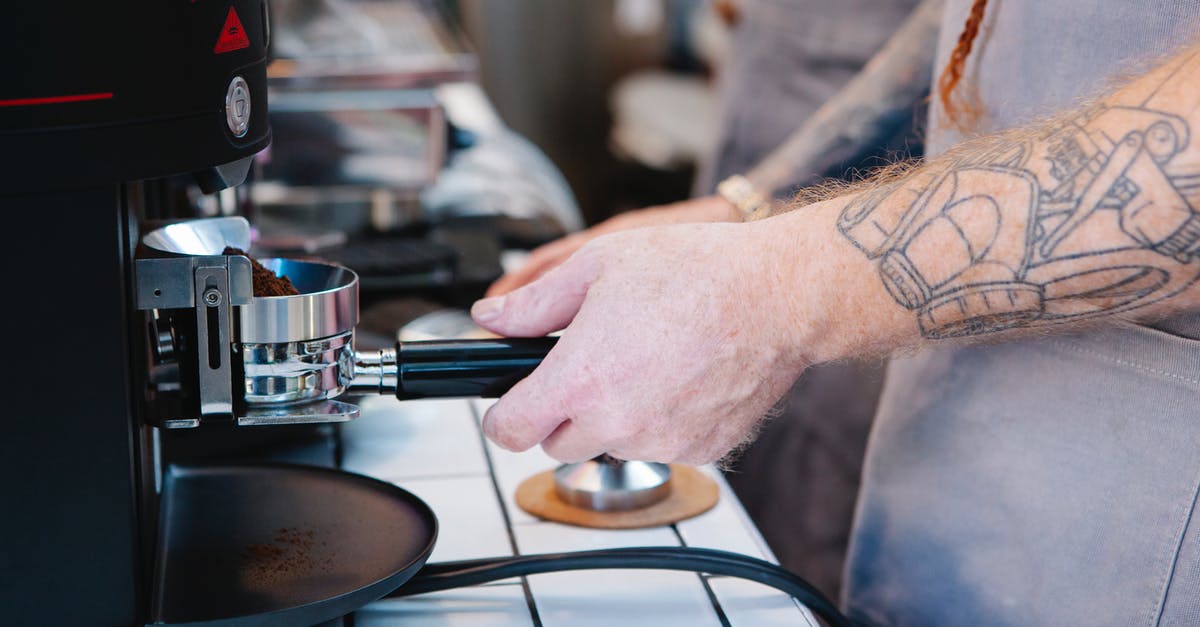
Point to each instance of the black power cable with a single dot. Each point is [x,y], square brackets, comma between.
[449,575]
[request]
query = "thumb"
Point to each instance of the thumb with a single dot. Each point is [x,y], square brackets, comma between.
[544,306]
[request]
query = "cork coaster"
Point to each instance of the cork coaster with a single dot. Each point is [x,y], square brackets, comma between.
[692,494]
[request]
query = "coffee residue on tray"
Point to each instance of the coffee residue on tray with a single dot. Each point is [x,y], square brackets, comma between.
[266,282]
[293,553]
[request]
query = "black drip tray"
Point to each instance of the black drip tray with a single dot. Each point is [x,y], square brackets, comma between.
[276,544]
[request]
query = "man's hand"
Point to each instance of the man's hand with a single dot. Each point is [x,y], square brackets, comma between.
[552,254]
[678,341]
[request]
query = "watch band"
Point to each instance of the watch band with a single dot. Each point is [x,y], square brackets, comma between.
[740,192]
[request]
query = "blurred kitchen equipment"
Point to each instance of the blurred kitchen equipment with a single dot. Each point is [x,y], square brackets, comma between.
[387,158]
[358,131]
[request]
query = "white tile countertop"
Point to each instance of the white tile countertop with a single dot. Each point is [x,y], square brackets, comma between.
[435,449]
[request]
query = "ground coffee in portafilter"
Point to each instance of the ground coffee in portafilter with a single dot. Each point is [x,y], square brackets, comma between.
[266,282]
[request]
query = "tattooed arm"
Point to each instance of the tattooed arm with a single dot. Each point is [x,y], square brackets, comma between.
[1088,215]
[678,339]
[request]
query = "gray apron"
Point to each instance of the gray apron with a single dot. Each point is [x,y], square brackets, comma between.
[786,58]
[1050,481]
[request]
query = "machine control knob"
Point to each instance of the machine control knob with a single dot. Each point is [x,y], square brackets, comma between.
[237,106]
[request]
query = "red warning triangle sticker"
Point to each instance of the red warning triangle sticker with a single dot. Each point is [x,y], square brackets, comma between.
[233,35]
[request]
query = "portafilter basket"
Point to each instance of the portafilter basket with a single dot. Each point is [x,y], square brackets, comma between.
[299,348]
[295,351]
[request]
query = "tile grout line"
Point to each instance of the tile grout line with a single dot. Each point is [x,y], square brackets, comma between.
[712,596]
[508,527]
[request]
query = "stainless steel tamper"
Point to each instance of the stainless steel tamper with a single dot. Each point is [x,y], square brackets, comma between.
[608,484]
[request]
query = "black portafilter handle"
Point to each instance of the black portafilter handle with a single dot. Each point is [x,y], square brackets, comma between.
[483,368]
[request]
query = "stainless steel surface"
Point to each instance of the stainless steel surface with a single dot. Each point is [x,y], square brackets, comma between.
[237,106]
[375,372]
[213,339]
[296,372]
[606,485]
[318,411]
[298,350]
[204,236]
[167,283]
[367,44]
[327,305]
[181,423]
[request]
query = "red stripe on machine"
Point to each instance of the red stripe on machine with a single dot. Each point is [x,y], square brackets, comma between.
[25,102]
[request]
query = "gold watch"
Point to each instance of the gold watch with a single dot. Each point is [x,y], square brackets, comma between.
[740,192]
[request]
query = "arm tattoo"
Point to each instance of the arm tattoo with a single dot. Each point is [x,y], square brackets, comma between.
[1094,219]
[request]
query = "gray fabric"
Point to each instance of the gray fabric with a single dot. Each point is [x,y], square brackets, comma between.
[1037,483]
[1035,57]
[1050,481]
[1181,606]
[786,58]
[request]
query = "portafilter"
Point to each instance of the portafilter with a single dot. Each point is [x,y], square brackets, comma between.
[221,353]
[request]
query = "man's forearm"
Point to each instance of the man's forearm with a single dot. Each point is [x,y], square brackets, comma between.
[1090,215]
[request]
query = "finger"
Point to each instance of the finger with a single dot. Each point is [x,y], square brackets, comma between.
[544,306]
[570,444]
[525,415]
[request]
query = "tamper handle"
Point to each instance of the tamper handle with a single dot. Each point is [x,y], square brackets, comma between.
[484,368]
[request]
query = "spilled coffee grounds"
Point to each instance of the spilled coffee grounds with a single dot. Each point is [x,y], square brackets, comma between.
[266,282]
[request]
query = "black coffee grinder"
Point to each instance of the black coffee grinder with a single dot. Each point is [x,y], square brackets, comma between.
[112,115]
[101,106]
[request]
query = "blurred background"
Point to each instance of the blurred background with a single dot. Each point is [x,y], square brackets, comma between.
[620,94]
[617,95]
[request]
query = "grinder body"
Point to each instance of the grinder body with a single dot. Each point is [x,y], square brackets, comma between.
[104,107]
